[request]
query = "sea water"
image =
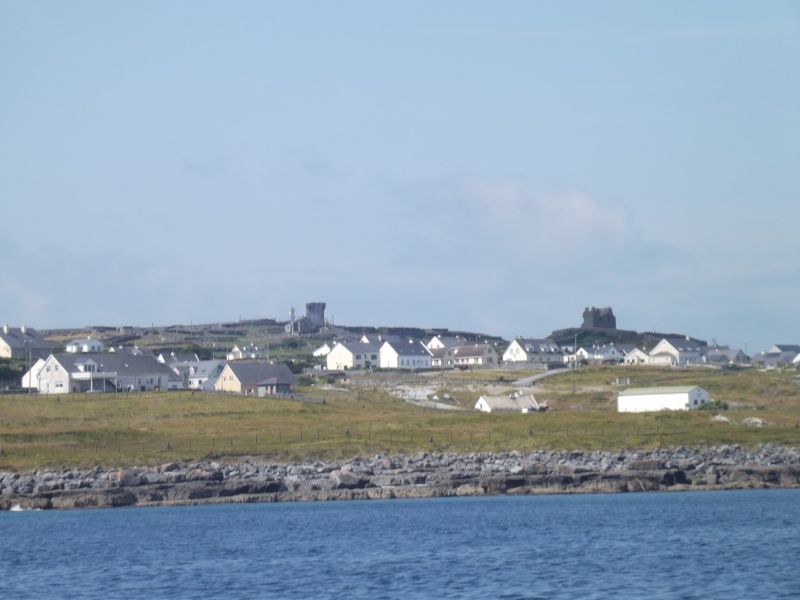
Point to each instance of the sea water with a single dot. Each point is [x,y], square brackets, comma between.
[732,544]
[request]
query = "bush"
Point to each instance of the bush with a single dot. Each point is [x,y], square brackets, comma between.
[714,405]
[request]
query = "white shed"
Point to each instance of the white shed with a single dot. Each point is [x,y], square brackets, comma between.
[684,397]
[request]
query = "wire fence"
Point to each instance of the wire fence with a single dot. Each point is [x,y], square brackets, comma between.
[439,438]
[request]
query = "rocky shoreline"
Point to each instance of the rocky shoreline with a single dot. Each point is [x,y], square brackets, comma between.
[420,475]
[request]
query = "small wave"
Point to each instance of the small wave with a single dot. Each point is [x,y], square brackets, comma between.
[18,508]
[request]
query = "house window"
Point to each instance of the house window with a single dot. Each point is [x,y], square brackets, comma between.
[358,357]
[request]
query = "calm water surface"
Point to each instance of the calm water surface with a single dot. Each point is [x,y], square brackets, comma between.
[661,545]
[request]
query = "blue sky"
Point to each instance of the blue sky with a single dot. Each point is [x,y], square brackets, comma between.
[451,164]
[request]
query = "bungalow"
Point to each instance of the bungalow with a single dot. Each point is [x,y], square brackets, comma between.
[400,354]
[661,398]
[248,353]
[607,353]
[353,355]
[538,351]
[23,342]
[323,350]
[199,374]
[255,379]
[31,378]
[439,341]
[177,357]
[475,355]
[65,373]
[85,345]
[515,403]
[442,358]
[637,356]
[779,355]
[131,351]
[723,355]
[683,351]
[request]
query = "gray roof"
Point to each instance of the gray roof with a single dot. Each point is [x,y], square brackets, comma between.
[359,347]
[131,351]
[377,339]
[671,389]
[472,350]
[178,357]
[539,345]
[201,368]
[683,345]
[451,341]
[261,373]
[122,364]
[787,348]
[408,347]
[441,352]
[17,340]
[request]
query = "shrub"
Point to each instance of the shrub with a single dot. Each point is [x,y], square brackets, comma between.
[714,405]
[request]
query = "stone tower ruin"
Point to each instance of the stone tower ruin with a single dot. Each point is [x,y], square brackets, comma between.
[599,318]
[315,312]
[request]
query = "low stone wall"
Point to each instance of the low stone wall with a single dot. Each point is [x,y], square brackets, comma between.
[398,476]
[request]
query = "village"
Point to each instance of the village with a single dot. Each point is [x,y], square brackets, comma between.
[54,364]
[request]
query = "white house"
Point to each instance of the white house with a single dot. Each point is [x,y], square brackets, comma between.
[174,358]
[255,379]
[31,379]
[683,397]
[198,374]
[353,355]
[637,356]
[439,341]
[724,355]
[515,403]
[404,354]
[605,353]
[683,351]
[475,355]
[23,342]
[65,373]
[85,345]
[323,350]
[248,353]
[528,350]
[442,358]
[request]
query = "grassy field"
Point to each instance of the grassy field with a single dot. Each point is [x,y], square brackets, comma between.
[39,432]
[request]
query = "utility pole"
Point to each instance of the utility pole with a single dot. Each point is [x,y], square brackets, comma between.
[574,361]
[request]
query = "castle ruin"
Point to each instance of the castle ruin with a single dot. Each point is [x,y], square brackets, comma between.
[313,321]
[599,318]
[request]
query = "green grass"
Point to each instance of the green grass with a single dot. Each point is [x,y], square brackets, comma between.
[139,429]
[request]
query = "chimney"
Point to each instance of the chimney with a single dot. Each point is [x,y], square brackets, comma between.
[5,328]
[23,329]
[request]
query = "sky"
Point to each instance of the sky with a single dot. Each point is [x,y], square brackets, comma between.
[491,167]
